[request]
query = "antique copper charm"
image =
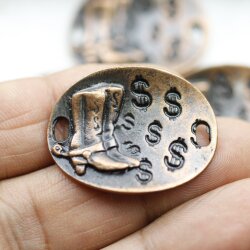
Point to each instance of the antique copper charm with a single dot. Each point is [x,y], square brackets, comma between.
[167,32]
[133,129]
[227,88]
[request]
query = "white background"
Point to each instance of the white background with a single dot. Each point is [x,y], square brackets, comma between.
[35,35]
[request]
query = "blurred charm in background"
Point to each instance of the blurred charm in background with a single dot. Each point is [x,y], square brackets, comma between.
[227,88]
[167,32]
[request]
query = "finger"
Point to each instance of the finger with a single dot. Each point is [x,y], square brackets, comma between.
[217,220]
[25,109]
[63,213]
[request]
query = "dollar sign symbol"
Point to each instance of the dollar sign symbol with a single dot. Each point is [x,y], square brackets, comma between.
[145,175]
[174,110]
[115,101]
[129,121]
[96,120]
[154,129]
[142,98]
[176,149]
[132,148]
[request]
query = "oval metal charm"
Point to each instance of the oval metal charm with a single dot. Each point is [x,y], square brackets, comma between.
[133,130]
[170,32]
[227,88]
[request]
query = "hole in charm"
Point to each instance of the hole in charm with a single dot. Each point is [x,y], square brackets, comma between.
[61,129]
[202,135]
[201,130]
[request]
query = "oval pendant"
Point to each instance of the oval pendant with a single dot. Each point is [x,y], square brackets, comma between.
[133,130]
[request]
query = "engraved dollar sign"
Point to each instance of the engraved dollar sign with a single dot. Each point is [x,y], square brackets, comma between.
[132,148]
[174,110]
[142,99]
[96,120]
[145,175]
[176,149]
[129,121]
[154,129]
[115,101]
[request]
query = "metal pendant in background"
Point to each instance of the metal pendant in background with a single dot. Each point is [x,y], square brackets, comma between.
[167,32]
[133,130]
[227,88]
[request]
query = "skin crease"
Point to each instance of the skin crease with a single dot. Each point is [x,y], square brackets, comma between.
[41,208]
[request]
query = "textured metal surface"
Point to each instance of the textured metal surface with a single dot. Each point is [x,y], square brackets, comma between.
[169,32]
[133,129]
[227,88]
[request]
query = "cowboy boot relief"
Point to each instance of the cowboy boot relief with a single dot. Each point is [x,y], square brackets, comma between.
[95,111]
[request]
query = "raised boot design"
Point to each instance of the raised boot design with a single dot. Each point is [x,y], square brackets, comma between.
[113,101]
[95,110]
[87,114]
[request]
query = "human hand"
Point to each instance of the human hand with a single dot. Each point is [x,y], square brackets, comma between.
[42,208]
